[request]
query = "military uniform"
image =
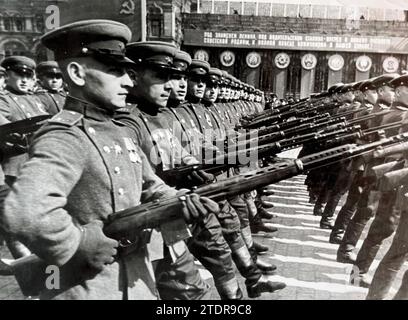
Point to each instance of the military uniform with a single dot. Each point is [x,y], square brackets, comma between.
[16,106]
[53,99]
[84,166]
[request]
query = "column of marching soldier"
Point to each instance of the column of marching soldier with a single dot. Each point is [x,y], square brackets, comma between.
[151,111]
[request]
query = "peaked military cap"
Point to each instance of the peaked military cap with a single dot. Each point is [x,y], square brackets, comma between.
[214,75]
[181,61]
[104,40]
[48,67]
[334,87]
[225,80]
[399,81]
[199,67]
[19,63]
[356,85]
[346,88]
[367,85]
[383,80]
[157,54]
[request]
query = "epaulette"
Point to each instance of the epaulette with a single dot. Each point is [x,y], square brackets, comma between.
[66,117]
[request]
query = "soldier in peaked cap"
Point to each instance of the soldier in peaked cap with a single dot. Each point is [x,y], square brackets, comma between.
[161,132]
[52,93]
[155,125]
[90,167]
[18,103]
[388,211]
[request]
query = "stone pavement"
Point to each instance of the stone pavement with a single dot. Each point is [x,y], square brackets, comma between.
[305,259]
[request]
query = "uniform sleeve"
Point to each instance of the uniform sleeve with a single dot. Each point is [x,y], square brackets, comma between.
[34,210]
[4,110]
[153,186]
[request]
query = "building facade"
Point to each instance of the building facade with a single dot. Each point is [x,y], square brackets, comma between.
[293,49]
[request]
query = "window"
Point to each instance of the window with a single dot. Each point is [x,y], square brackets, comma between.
[20,25]
[7,24]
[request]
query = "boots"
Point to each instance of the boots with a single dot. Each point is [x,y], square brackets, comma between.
[345,251]
[336,236]
[260,248]
[257,225]
[264,284]
[326,222]
[230,290]
[318,208]
[265,267]
[263,213]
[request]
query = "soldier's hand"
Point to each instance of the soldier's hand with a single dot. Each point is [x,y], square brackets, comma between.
[378,152]
[95,250]
[201,177]
[194,207]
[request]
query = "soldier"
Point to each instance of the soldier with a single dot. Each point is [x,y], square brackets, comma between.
[235,207]
[52,93]
[18,103]
[155,126]
[338,175]
[388,211]
[84,166]
[364,197]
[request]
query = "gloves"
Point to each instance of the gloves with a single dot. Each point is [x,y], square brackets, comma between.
[194,207]
[95,250]
[200,177]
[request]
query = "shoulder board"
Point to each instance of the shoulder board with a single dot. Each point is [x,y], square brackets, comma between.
[67,118]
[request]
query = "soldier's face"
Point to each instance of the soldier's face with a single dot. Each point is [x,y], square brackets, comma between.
[52,81]
[20,81]
[211,93]
[401,95]
[196,87]
[153,86]
[386,94]
[370,96]
[178,87]
[106,86]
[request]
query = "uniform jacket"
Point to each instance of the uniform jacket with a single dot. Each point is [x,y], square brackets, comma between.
[14,107]
[54,101]
[83,166]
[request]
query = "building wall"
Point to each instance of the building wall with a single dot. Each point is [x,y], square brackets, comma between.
[22,22]
[268,76]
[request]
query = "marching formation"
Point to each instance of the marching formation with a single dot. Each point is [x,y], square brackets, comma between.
[126,162]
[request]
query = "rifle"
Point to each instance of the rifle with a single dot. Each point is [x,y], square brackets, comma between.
[25,126]
[126,223]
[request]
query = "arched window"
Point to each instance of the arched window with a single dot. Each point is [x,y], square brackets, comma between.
[155,21]
[15,48]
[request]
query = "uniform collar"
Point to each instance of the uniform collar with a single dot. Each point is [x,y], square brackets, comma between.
[88,110]
[11,90]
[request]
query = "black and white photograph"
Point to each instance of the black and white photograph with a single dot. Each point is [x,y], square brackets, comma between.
[225,151]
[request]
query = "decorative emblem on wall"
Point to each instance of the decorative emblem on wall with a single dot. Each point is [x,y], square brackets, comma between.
[390,64]
[363,63]
[227,58]
[282,60]
[253,59]
[128,7]
[336,62]
[309,61]
[201,55]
